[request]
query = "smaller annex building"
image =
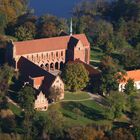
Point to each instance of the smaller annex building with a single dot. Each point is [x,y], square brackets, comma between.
[42,81]
[134,75]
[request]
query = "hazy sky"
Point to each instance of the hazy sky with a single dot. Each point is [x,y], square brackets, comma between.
[61,8]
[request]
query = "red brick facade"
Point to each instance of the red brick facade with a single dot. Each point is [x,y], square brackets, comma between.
[51,53]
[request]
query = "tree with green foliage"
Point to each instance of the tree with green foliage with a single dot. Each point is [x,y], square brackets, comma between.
[8,124]
[136,132]
[48,30]
[56,123]
[129,87]
[110,75]
[55,93]
[6,75]
[85,133]
[99,32]
[12,9]
[40,127]
[27,20]
[122,134]
[85,14]
[119,42]
[136,119]
[134,104]
[103,31]
[131,58]
[130,10]
[50,125]
[75,76]
[26,98]
[121,26]
[2,22]
[117,104]
[23,33]
[108,48]
[50,26]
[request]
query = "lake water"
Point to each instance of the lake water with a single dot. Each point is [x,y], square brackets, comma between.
[60,8]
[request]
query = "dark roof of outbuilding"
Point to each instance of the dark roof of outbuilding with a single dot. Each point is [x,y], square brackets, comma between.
[91,70]
[30,70]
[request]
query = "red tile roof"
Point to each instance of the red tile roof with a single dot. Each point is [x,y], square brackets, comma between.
[38,80]
[47,44]
[134,74]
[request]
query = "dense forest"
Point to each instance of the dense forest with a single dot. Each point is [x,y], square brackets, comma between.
[113,29]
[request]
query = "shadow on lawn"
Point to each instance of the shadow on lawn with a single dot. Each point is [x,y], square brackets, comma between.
[89,113]
[121,124]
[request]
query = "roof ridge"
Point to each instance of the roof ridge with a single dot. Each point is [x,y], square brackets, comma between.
[39,39]
[48,44]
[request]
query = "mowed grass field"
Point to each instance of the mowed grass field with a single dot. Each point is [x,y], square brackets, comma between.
[81,110]
[78,112]
[82,113]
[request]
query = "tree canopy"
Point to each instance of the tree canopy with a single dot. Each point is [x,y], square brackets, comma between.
[75,76]
[110,75]
[12,9]
[26,97]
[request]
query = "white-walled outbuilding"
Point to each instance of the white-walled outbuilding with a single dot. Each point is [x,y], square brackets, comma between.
[134,75]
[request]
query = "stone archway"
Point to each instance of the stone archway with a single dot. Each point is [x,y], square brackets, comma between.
[52,67]
[47,67]
[42,66]
[57,66]
[61,65]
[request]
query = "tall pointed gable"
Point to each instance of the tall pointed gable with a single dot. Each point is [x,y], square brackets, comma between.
[79,44]
[83,39]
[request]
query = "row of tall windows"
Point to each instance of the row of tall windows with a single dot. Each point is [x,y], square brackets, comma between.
[51,55]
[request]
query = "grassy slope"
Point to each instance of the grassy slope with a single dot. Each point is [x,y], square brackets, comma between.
[95,57]
[15,109]
[92,113]
[96,54]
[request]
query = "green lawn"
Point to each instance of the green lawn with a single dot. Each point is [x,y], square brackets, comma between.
[96,54]
[76,95]
[89,112]
[79,112]
[15,109]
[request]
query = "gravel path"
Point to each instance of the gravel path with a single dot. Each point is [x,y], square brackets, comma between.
[94,97]
[11,101]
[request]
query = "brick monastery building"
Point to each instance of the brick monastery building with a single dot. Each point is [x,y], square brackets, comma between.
[40,61]
[50,53]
